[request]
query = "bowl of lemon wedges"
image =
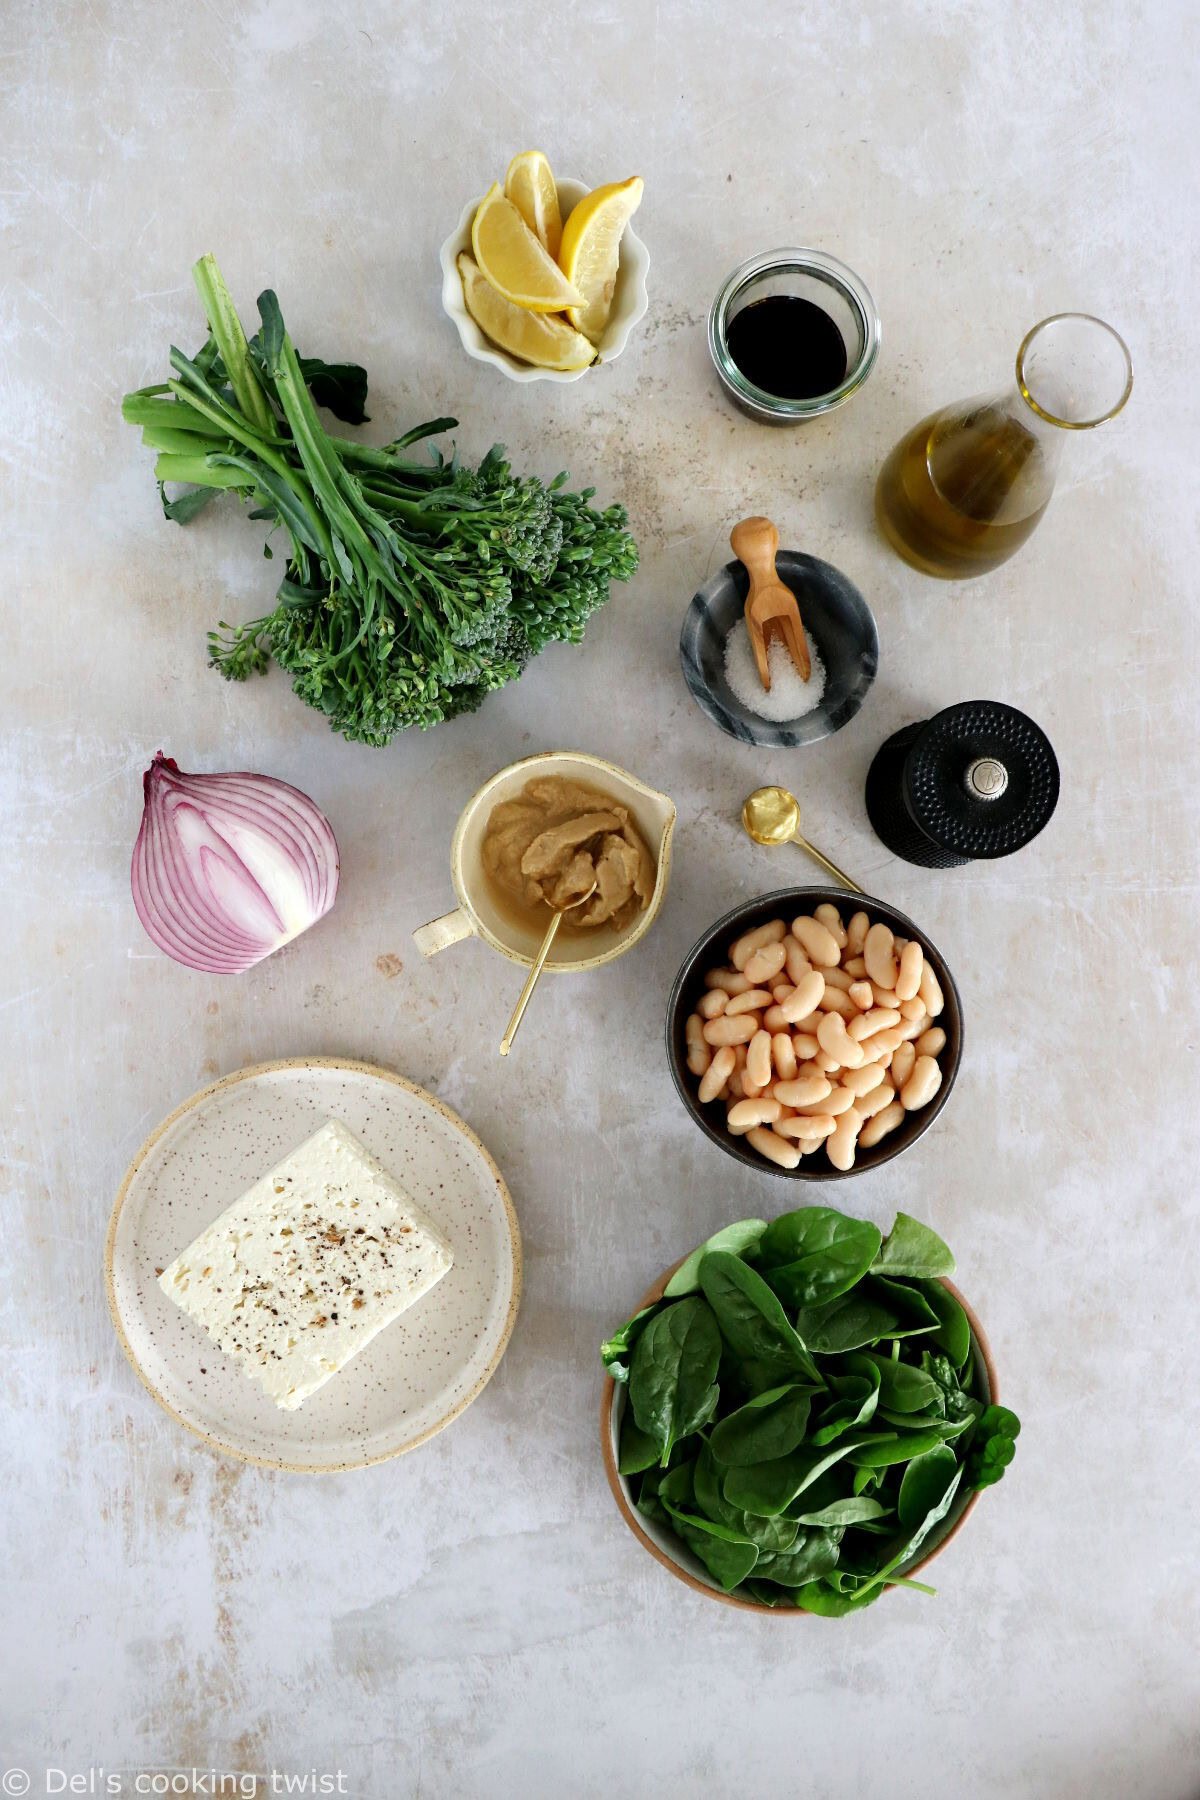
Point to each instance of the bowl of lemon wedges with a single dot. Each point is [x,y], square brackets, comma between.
[543,277]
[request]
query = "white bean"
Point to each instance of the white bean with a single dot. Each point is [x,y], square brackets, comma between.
[868,1023]
[862,1081]
[835,1104]
[912,961]
[774,1018]
[862,994]
[699,1056]
[855,966]
[783,1055]
[717,1074]
[835,1040]
[806,1044]
[773,1147]
[879,956]
[731,1031]
[828,1065]
[931,1042]
[921,1085]
[795,961]
[745,1113]
[712,1004]
[831,919]
[817,942]
[751,1001]
[869,1104]
[805,1090]
[765,963]
[903,1059]
[734,1085]
[840,1146]
[758,1058]
[931,992]
[913,1009]
[833,1000]
[804,998]
[809,1130]
[856,933]
[729,979]
[886,997]
[773,932]
[884,1121]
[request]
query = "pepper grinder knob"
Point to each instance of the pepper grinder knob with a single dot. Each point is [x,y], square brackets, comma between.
[986,778]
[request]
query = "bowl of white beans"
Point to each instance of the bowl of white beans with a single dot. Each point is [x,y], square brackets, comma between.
[814,1033]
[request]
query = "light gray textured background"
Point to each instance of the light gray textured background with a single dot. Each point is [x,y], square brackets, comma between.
[475,1620]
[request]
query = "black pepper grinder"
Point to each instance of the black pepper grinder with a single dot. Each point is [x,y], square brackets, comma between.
[978,780]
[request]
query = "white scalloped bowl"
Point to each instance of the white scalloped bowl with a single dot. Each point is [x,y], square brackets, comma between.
[629,301]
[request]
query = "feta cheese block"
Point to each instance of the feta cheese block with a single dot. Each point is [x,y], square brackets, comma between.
[300,1274]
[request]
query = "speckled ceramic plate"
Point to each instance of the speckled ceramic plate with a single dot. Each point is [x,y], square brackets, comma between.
[422,1370]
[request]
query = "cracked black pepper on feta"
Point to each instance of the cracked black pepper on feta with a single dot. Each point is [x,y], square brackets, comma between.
[308,1266]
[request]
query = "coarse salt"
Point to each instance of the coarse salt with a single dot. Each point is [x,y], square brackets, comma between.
[788,696]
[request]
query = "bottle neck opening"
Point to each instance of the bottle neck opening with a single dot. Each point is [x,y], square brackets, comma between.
[1074,371]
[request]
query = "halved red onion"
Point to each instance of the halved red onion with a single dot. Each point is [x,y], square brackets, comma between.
[228,868]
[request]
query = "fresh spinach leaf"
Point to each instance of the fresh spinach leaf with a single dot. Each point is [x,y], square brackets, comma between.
[857,1397]
[739,1237]
[772,1424]
[752,1321]
[914,1314]
[848,1323]
[908,1547]
[923,1484]
[993,1446]
[845,1512]
[953,1334]
[819,1597]
[728,1558]
[911,1248]
[672,1385]
[615,1351]
[808,1560]
[768,1487]
[635,1450]
[677,1486]
[815,1253]
[769,1534]
[901,1447]
[902,1388]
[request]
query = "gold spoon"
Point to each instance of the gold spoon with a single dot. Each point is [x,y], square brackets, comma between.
[772,816]
[539,963]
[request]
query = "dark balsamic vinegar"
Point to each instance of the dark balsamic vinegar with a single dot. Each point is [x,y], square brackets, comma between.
[788,347]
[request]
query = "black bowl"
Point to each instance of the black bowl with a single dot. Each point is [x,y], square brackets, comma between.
[711,951]
[841,626]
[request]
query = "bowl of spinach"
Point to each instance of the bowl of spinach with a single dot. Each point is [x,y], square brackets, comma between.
[800,1415]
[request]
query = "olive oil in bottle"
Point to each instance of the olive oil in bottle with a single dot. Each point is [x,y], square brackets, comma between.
[966,488]
[962,491]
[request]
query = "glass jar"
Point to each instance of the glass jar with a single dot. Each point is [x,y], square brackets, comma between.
[804,275]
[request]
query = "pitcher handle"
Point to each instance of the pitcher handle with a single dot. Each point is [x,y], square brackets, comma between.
[439,934]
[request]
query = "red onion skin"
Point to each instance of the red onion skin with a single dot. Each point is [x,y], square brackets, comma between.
[174,896]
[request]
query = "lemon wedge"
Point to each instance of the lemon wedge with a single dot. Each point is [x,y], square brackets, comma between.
[538,338]
[513,260]
[531,187]
[591,250]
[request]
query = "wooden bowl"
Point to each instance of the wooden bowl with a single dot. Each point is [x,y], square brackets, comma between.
[711,951]
[674,1555]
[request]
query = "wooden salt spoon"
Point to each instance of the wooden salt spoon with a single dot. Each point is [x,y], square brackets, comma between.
[771,609]
[538,964]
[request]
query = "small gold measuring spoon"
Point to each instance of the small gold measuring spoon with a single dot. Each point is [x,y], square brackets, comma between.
[539,963]
[772,816]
